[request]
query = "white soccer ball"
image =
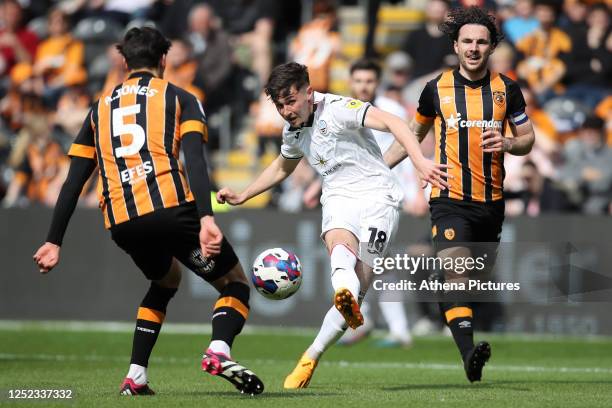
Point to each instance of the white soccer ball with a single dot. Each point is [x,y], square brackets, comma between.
[277,273]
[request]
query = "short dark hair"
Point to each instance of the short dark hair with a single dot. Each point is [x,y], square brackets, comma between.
[143,47]
[366,64]
[593,122]
[457,18]
[598,6]
[284,77]
[554,5]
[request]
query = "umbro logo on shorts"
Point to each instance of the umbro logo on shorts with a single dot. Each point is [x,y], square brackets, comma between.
[202,264]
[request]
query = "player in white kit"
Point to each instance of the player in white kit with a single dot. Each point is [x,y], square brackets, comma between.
[360,196]
[364,83]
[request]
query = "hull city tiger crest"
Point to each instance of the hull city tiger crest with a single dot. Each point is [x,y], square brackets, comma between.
[499,97]
[449,234]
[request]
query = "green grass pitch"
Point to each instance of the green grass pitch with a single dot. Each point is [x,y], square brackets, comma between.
[523,371]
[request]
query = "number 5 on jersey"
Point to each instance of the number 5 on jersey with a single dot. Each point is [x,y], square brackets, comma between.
[121,128]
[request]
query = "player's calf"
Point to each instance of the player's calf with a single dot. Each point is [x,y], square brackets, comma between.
[229,316]
[151,315]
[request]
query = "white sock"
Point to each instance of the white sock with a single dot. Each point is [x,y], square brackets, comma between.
[365,309]
[396,319]
[343,275]
[332,329]
[219,346]
[138,374]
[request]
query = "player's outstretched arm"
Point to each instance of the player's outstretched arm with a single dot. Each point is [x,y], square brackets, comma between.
[272,175]
[427,170]
[396,152]
[519,145]
[47,256]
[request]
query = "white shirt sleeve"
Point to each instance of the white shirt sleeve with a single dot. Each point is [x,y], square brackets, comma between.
[290,148]
[350,113]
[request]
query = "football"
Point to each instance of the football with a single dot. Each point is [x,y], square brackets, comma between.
[277,273]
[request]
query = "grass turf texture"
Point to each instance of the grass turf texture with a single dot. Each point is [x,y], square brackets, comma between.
[523,371]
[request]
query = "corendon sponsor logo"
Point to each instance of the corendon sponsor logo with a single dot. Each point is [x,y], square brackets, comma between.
[455,122]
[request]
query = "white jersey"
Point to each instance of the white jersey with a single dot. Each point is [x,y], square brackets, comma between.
[404,170]
[342,151]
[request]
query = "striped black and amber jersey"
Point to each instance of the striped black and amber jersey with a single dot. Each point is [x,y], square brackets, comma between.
[460,110]
[134,133]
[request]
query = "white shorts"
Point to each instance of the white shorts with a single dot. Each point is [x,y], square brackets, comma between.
[373,223]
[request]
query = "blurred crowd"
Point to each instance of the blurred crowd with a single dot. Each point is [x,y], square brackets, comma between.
[57,56]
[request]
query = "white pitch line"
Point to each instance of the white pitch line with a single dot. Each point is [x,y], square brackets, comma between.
[344,364]
[205,328]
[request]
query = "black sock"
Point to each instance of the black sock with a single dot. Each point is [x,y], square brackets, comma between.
[230,312]
[458,316]
[151,314]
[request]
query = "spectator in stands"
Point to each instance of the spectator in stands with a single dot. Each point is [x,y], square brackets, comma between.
[171,17]
[40,165]
[182,68]
[396,75]
[604,111]
[212,51]
[587,173]
[544,154]
[67,119]
[490,5]
[589,63]
[251,25]
[540,194]
[502,60]
[546,130]
[117,71]
[316,45]
[59,59]
[18,99]
[268,125]
[574,14]
[17,43]
[522,24]
[428,47]
[540,53]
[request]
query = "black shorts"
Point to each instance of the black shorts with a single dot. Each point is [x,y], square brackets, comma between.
[455,222]
[153,239]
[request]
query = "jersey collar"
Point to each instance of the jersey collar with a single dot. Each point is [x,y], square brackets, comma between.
[472,84]
[140,74]
[318,97]
[307,124]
